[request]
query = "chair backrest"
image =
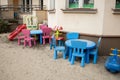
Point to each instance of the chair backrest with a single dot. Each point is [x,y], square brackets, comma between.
[98,43]
[26,32]
[78,46]
[72,35]
[46,31]
[31,22]
[41,26]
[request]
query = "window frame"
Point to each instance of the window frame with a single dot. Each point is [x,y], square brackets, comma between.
[116,10]
[79,10]
[81,4]
[117,6]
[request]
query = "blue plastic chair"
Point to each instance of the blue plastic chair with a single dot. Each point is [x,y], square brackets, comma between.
[94,52]
[78,51]
[72,35]
[57,48]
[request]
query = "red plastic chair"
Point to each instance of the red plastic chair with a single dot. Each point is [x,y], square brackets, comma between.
[27,38]
[46,34]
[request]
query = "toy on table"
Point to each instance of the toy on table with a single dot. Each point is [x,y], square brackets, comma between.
[57,29]
[112,63]
[57,35]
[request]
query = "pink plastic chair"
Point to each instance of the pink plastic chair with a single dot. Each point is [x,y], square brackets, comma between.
[41,26]
[27,38]
[46,34]
[20,38]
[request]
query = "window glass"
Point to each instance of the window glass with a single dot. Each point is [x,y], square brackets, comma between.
[117,3]
[73,3]
[88,4]
[81,3]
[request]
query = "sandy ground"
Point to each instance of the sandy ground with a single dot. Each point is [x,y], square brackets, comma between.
[37,63]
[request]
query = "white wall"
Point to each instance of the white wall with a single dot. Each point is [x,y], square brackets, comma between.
[79,22]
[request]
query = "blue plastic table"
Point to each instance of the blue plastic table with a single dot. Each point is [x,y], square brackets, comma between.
[90,45]
[32,32]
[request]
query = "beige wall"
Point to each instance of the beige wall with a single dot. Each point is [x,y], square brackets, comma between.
[41,15]
[6,16]
[111,21]
[101,23]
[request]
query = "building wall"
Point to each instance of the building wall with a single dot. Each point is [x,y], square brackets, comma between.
[79,22]
[41,15]
[6,16]
[111,21]
[104,22]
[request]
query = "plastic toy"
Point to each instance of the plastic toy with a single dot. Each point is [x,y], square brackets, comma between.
[59,38]
[112,63]
[57,33]
[16,31]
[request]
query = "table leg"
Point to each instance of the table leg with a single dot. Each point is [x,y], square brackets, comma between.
[87,56]
[70,54]
[40,38]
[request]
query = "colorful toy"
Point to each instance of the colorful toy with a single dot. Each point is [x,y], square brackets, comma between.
[57,35]
[57,29]
[112,63]
[16,31]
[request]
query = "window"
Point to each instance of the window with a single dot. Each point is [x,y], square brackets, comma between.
[27,5]
[117,4]
[81,3]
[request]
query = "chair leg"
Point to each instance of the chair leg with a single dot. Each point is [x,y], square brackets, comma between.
[50,46]
[25,42]
[30,43]
[43,40]
[83,62]
[34,42]
[95,59]
[72,60]
[70,54]
[64,56]
[49,40]
[55,54]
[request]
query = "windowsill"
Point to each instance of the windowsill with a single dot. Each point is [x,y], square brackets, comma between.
[116,11]
[51,11]
[80,10]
